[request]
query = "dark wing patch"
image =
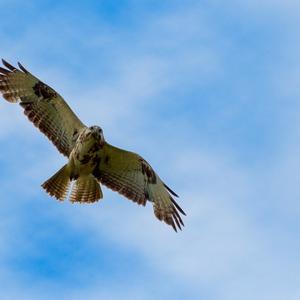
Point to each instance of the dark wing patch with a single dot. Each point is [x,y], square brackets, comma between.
[42,105]
[147,171]
[43,91]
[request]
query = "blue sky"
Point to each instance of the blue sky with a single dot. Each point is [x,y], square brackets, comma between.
[208,92]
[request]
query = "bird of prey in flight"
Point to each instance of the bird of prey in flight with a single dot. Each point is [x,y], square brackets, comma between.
[91,160]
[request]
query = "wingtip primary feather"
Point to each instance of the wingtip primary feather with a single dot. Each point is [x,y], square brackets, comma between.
[174,227]
[3,61]
[177,206]
[171,191]
[8,65]
[178,224]
[22,68]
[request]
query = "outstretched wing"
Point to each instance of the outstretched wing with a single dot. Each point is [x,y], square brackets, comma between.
[43,106]
[130,175]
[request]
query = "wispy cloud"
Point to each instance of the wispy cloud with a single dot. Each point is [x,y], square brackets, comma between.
[208,94]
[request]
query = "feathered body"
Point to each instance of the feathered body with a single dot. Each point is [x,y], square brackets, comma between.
[83,160]
[86,152]
[91,160]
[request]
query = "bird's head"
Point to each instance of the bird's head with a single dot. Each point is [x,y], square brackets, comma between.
[97,133]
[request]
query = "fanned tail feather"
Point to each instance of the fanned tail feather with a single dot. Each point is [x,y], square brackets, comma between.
[58,184]
[86,189]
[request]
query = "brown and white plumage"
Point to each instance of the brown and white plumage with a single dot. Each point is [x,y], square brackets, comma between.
[91,159]
[42,105]
[130,175]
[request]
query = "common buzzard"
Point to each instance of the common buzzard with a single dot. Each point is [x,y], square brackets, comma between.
[91,160]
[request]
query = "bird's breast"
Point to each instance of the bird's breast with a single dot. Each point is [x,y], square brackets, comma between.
[85,154]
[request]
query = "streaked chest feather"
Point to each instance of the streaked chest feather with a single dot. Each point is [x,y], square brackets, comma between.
[86,153]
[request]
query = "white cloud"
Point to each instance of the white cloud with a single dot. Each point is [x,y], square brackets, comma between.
[224,248]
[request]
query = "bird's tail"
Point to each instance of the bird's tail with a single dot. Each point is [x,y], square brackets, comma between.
[58,184]
[86,189]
